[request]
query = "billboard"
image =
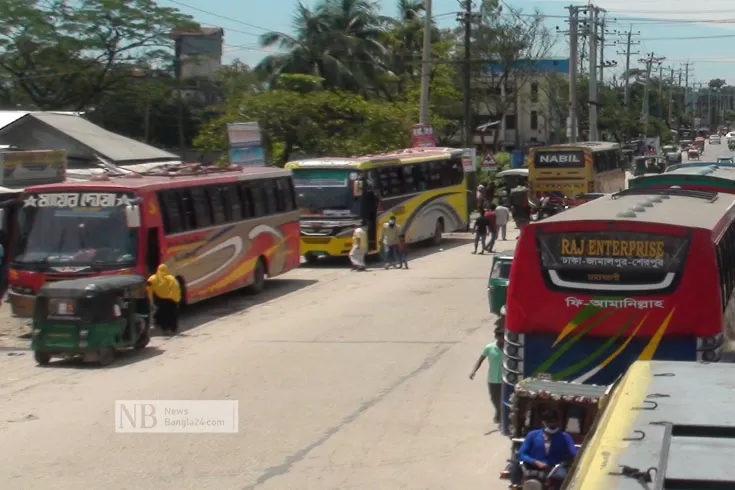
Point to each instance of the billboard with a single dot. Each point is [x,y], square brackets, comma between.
[245,144]
[25,168]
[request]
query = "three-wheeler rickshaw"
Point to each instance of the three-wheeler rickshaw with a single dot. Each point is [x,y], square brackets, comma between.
[497,283]
[91,318]
[699,143]
[576,404]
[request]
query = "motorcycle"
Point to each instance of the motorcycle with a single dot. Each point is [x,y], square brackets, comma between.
[549,207]
[540,480]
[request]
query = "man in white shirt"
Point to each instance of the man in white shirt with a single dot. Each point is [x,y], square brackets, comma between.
[502,216]
[359,248]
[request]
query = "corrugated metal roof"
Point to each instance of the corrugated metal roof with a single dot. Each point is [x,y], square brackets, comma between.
[110,145]
[9,117]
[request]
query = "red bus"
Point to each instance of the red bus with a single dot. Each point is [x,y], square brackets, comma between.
[216,229]
[638,275]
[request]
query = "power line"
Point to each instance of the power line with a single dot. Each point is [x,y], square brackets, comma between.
[220,16]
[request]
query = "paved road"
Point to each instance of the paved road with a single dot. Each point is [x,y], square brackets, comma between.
[356,381]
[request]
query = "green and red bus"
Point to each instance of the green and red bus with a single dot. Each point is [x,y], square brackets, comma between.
[709,177]
[637,275]
[216,229]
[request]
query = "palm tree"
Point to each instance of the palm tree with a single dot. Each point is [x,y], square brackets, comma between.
[338,41]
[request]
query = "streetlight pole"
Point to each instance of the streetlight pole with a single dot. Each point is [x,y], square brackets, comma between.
[426,66]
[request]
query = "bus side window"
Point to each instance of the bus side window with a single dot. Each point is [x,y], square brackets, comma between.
[202,210]
[187,208]
[284,195]
[233,205]
[257,197]
[271,201]
[410,184]
[246,199]
[457,171]
[171,212]
[216,195]
[435,175]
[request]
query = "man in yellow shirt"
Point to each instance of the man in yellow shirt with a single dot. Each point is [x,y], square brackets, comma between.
[359,248]
[390,239]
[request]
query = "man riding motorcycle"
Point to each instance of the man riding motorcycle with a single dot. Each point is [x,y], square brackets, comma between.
[541,451]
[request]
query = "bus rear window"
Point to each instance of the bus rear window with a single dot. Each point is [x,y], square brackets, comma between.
[612,260]
[559,159]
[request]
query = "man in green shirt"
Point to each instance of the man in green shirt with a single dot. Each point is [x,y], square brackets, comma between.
[493,352]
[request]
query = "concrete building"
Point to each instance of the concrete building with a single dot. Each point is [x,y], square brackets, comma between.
[199,52]
[532,113]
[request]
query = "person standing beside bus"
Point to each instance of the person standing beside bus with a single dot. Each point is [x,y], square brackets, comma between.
[359,248]
[390,239]
[493,352]
[402,251]
[166,294]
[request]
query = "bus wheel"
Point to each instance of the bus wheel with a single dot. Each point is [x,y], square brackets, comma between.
[436,239]
[258,278]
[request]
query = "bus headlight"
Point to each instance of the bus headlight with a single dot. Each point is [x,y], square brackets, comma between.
[511,350]
[512,378]
[512,364]
[511,336]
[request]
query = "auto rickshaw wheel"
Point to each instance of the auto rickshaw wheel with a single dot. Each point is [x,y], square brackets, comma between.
[42,358]
[107,356]
[142,341]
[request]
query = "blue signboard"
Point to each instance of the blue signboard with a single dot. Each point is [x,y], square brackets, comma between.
[248,157]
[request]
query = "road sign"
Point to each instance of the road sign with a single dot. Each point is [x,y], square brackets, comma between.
[489,161]
[468,160]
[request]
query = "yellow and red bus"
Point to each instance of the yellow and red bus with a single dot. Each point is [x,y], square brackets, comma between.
[216,229]
[579,168]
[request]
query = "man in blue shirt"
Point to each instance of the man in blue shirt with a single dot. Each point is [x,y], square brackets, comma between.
[545,448]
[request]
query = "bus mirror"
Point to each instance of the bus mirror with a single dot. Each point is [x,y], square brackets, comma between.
[357,188]
[2,219]
[132,216]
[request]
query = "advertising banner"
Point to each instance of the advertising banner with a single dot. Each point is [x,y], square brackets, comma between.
[422,136]
[246,147]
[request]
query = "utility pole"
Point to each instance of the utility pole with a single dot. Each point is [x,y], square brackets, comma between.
[627,54]
[426,66]
[573,66]
[593,13]
[466,17]
[671,96]
[602,51]
[650,60]
[686,87]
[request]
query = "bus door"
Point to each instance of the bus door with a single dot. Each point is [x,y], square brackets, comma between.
[369,213]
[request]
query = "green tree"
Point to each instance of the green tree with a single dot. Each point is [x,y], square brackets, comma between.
[321,122]
[63,56]
[338,41]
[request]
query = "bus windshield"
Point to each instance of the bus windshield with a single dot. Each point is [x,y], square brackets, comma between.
[74,231]
[326,192]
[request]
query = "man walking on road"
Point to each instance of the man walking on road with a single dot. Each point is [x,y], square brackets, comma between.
[391,239]
[480,230]
[492,225]
[502,216]
[359,248]
[493,352]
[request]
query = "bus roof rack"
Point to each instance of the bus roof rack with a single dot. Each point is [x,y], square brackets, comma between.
[665,193]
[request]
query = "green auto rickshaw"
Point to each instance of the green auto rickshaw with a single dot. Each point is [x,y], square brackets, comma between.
[497,284]
[91,317]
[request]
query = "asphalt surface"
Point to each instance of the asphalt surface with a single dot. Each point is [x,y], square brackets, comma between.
[344,381]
